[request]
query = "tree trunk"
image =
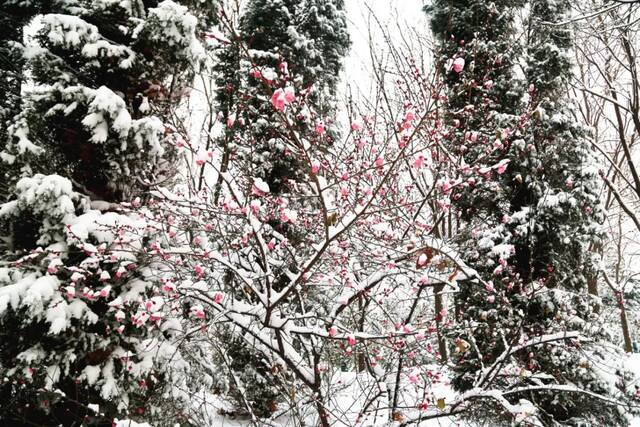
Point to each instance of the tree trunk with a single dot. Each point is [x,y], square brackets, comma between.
[322,412]
[439,307]
[592,280]
[624,322]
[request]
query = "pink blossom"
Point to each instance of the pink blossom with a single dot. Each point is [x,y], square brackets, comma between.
[418,161]
[569,183]
[287,215]
[351,340]
[255,206]
[231,120]
[199,314]
[283,67]
[104,292]
[104,276]
[199,270]
[76,277]
[315,167]
[260,187]
[422,260]
[409,116]
[413,378]
[320,129]
[120,329]
[379,162]
[217,298]
[289,94]
[203,156]
[333,331]
[121,271]
[71,291]
[355,126]
[272,244]
[458,65]
[278,99]
[488,85]
[501,167]
[255,73]
[53,266]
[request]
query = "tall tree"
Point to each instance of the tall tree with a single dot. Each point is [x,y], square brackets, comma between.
[527,196]
[304,41]
[76,312]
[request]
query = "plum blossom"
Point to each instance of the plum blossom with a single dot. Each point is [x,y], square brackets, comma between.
[260,188]
[351,340]
[231,120]
[283,97]
[501,167]
[203,156]
[315,167]
[277,99]
[287,215]
[458,65]
[53,266]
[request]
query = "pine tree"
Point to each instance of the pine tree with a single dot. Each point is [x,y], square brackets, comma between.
[526,195]
[304,41]
[77,315]
[14,16]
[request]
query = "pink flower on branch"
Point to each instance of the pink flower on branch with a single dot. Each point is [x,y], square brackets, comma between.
[458,65]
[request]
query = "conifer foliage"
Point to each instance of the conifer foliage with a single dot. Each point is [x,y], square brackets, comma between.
[92,130]
[527,195]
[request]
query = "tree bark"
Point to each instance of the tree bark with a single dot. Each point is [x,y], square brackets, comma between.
[624,322]
[439,307]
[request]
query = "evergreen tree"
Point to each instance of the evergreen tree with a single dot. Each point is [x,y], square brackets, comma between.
[527,196]
[304,42]
[14,16]
[80,337]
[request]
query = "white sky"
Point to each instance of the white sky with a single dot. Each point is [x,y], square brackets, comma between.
[390,13]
